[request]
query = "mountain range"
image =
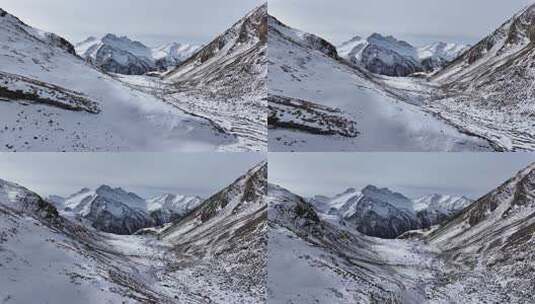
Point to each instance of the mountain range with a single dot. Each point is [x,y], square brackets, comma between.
[389,56]
[125,56]
[215,253]
[383,213]
[117,211]
[480,255]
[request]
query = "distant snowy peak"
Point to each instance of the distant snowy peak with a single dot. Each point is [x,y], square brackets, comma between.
[389,42]
[177,203]
[389,56]
[442,50]
[173,53]
[395,199]
[130,199]
[125,56]
[382,212]
[380,54]
[110,209]
[441,202]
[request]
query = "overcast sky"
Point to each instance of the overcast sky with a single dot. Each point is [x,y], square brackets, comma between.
[152,22]
[417,21]
[413,174]
[146,174]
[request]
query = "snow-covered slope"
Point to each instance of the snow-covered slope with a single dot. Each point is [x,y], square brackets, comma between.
[307,68]
[226,228]
[225,80]
[125,56]
[489,89]
[494,238]
[54,101]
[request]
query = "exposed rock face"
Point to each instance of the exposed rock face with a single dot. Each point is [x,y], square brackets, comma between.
[112,216]
[383,213]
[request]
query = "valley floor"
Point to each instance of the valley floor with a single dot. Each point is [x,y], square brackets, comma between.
[104,268]
[376,271]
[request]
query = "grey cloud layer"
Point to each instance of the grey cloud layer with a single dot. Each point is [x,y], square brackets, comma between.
[153,22]
[414,174]
[144,173]
[415,20]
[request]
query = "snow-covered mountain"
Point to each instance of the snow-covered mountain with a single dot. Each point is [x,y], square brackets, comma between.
[382,55]
[118,211]
[172,54]
[225,81]
[228,233]
[320,102]
[436,208]
[168,207]
[387,214]
[389,56]
[110,210]
[55,101]
[489,89]
[125,56]
[494,237]
[436,56]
